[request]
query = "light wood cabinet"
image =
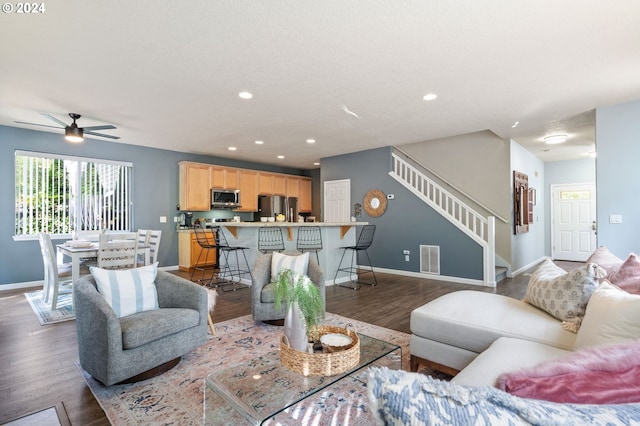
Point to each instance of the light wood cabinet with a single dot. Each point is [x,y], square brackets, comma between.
[293,186]
[265,184]
[279,185]
[304,199]
[194,186]
[248,186]
[189,250]
[224,177]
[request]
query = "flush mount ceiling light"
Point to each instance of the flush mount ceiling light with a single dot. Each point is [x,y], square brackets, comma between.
[245,95]
[429,96]
[555,139]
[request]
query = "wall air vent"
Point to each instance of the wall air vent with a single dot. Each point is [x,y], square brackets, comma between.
[430,259]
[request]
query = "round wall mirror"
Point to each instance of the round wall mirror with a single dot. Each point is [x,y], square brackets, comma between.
[375,203]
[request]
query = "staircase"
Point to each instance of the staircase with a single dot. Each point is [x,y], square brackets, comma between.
[479,228]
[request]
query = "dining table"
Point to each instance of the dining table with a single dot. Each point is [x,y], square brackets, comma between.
[77,252]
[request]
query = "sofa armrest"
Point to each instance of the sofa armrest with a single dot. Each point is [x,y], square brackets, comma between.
[176,292]
[260,275]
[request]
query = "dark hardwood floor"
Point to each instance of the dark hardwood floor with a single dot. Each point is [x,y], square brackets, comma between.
[37,363]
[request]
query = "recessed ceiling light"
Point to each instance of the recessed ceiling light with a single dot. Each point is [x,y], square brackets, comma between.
[259,142]
[555,139]
[245,95]
[316,164]
[311,141]
[232,148]
[515,124]
[429,96]
[280,157]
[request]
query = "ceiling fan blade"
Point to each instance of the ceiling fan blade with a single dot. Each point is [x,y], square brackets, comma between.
[103,127]
[52,118]
[102,135]
[36,124]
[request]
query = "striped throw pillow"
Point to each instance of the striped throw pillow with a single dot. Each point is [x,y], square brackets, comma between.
[298,264]
[128,291]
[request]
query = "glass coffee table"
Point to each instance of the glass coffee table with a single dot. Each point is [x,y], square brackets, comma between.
[258,389]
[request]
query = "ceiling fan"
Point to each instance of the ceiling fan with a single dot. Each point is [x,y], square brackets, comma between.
[72,132]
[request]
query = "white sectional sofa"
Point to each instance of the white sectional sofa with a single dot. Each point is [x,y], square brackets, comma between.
[490,331]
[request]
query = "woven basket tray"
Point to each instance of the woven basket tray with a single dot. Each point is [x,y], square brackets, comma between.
[322,364]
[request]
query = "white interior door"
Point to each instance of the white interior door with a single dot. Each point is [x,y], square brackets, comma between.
[573,222]
[337,200]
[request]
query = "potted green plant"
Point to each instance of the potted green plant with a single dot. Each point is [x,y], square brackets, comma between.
[303,305]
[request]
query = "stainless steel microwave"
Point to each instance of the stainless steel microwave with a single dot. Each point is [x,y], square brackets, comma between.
[225,199]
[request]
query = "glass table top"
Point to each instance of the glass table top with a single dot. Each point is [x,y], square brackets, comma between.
[260,388]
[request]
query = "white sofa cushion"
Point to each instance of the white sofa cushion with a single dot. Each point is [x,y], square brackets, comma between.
[503,356]
[473,320]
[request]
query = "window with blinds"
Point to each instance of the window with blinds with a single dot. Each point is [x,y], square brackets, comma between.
[61,194]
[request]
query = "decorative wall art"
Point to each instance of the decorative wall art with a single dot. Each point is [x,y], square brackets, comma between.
[522,206]
[375,203]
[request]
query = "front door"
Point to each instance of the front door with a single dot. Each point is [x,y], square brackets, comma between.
[573,222]
[337,200]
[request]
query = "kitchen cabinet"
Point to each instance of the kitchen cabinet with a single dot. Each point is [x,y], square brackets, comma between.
[189,250]
[279,185]
[265,184]
[293,186]
[224,177]
[304,199]
[248,186]
[194,186]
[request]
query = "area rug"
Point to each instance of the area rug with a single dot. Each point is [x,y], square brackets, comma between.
[63,311]
[177,396]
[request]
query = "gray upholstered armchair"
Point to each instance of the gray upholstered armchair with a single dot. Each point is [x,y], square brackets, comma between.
[262,293]
[115,349]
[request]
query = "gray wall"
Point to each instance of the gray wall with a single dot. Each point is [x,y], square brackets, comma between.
[564,172]
[528,248]
[617,177]
[407,222]
[155,192]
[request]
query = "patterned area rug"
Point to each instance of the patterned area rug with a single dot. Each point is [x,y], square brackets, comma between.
[63,311]
[177,396]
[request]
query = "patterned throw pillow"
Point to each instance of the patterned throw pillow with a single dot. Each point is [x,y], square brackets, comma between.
[298,264]
[563,294]
[128,291]
[401,398]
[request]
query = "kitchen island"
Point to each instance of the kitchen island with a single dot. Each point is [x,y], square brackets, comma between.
[334,235]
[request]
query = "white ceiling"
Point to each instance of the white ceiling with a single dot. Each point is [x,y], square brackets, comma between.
[167,73]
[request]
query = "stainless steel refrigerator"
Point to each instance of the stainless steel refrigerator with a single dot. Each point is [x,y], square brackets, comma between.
[273,205]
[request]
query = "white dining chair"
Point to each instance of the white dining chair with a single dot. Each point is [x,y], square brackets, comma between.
[117,250]
[148,238]
[52,271]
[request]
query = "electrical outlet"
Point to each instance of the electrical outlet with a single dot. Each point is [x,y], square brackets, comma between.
[176,219]
[163,219]
[406,257]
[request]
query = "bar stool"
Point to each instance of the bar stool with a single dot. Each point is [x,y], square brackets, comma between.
[309,239]
[207,241]
[270,239]
[227,274]
[364,242]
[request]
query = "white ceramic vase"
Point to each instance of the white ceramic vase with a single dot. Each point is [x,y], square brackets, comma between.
[295,328]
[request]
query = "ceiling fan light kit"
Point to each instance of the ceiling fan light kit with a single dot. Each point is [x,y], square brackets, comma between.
[73,134]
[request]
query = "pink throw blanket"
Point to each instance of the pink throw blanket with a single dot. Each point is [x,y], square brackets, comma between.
[603,375]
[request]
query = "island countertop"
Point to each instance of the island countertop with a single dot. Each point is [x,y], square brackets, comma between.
[232,226]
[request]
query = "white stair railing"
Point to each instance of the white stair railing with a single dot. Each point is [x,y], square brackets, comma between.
[481,229]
